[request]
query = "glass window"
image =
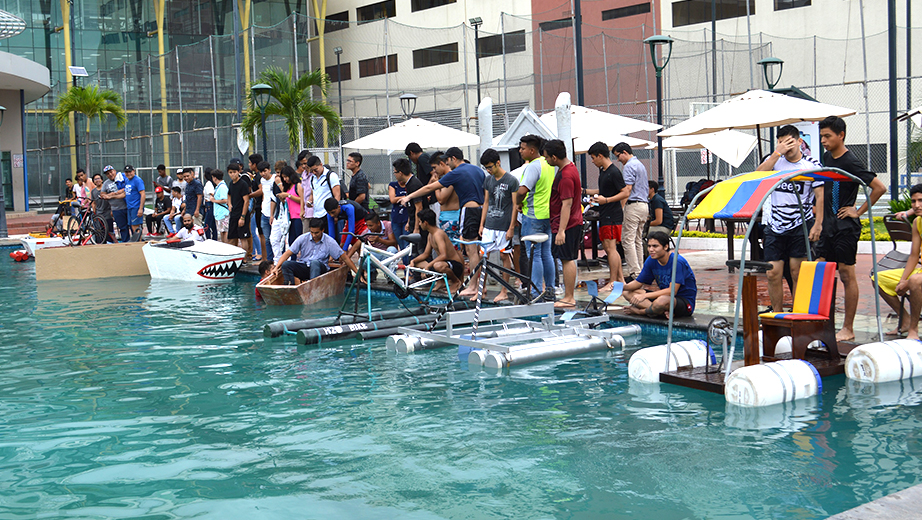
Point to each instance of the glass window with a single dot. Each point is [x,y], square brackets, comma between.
[623,12]
[375,66]
[377,11]
[337,22]
[438,55]
[344,73]
[688,12]
[493,45]
[556,24]
[419,5]
[781,5]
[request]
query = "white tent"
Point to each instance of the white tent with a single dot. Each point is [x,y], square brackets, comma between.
[426,133]
[729,145]
[588,126]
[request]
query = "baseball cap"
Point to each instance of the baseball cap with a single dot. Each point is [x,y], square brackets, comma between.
[129,168]
[158,189]
[107,168]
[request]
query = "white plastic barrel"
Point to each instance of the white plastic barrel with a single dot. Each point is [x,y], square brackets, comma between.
[391,341]
[772,383]
[784,345]
[647,363]
[476,357]
[885,361]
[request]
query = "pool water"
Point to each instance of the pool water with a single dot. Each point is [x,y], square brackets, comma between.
[132,398]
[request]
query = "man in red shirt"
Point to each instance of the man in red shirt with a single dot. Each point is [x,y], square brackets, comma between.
[566,216]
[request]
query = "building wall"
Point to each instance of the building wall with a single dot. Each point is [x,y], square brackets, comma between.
[11,141]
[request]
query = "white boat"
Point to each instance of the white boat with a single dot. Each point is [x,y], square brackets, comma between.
[32,244]
[208,261]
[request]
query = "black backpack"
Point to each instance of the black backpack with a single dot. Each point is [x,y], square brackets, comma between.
[692,189]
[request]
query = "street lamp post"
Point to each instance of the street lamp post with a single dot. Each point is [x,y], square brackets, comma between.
[261,94]
[771,79]
[476,22]
[3,230]
[653,42]
[408,105]
[339,87]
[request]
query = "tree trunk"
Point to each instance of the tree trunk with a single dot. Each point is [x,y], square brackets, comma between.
[86,147]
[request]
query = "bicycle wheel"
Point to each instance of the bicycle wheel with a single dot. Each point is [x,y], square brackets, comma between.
[73,232]
[99,231]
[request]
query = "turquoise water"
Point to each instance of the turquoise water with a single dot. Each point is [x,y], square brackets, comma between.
[127,398]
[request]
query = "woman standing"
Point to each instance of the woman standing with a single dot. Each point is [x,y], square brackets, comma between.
[211,227]
[280,219]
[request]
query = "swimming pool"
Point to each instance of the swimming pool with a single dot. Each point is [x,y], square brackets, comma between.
[132,398]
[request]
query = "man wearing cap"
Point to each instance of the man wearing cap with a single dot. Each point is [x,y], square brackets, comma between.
[162,208]
[134,199]
[180,180]
[113,190]
[195,195]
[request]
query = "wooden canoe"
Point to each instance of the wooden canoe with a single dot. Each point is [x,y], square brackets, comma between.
[329,284]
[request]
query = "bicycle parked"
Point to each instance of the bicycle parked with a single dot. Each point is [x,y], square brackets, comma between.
[90,228]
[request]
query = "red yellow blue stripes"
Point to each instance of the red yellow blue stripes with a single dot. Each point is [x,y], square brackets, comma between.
[813,295]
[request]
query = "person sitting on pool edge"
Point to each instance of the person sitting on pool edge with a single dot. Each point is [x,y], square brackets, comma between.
[313,252]
[657,268]
[449,261]
[895,283]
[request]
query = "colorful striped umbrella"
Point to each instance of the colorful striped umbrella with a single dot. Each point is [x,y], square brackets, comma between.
[741,196]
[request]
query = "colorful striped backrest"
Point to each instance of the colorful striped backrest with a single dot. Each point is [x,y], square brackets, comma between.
[814,288]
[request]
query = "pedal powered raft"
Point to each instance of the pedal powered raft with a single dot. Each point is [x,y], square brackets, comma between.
[798,348]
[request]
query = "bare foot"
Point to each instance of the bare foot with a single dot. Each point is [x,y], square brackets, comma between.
[845,335]
[453,287]
[502,296]
[473,297]
[633,310]
[605,288]
[565,304]
[913,334]
[468,292]
[895,332]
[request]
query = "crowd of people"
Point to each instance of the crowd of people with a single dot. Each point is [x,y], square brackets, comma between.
[294,219]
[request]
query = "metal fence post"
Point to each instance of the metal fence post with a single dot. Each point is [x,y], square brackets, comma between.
[182,140]
[502,30]
[214,98]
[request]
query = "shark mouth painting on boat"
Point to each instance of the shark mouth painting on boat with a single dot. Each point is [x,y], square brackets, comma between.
[221,270]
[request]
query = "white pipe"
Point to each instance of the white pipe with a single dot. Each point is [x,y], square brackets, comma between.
[552,351]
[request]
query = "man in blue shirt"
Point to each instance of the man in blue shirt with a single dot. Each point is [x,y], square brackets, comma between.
[195,195]
[658,269]
[348,210]
[134,199]
[313,252]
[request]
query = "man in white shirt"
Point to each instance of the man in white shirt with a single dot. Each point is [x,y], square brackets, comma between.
[266,180]
[784,236]
[189,231]
[324,184]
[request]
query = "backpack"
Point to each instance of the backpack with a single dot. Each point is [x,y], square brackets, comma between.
[343,191]
[692,189]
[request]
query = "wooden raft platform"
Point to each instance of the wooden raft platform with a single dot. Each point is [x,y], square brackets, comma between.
[713,381]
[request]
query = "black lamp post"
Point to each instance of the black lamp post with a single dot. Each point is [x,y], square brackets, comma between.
[261,94]
[768,70]
[653,42]
[476,22]
[339,87]
[408,105]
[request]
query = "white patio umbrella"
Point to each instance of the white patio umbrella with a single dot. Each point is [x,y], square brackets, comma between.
[426,133]
[595,125]
[730,145]
[915,115]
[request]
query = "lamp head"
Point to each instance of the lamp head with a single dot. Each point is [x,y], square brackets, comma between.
[476,21]
[655,41]
[261,94]
[768,70]
[408,104]
[337,50]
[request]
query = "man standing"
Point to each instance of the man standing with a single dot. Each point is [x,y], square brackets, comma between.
[496,223]
[313,251]
[239,195]
[566,216]
[467,180]
[610,196]
[534,197]
[113,190]
[403,214]
[784,237]
[195,195]
[423,168]
[324,184]
[266,181]
[221,201]
[163,180]
[636,209]
[841,225]
[134,199]
[358,185]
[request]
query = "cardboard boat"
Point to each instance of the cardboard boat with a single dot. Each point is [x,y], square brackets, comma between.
[331,283]
[208,261]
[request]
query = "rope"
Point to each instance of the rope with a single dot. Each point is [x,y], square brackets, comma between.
[483,276]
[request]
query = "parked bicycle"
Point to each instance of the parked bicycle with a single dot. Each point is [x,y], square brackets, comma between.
[90,228]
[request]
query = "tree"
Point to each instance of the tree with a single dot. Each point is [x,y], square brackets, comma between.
[291,100]
[92,103]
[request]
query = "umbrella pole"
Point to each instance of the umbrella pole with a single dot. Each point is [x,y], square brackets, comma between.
[759,140]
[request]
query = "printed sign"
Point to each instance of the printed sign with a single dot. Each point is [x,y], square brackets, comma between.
[18,160]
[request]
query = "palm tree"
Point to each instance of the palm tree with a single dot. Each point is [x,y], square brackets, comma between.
[291,99]
[94,104]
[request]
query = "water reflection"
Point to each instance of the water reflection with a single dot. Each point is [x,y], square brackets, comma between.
[785,418]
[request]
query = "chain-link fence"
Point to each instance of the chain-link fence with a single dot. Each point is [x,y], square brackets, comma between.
[183,106]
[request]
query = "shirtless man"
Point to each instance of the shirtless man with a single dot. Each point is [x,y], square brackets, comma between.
[449,261]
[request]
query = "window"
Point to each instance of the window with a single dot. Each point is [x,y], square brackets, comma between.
[419,5]
[623,12]
[556,24]
[493,45]
[375,66]
[438,55]
[344,74]
[337,22]
[688,12]
[377,11]
[781,5]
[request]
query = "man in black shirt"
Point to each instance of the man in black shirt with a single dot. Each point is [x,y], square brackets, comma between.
[162,208]
[358,185]
[239,195]
[841,225]
[610,197]
[420,159]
